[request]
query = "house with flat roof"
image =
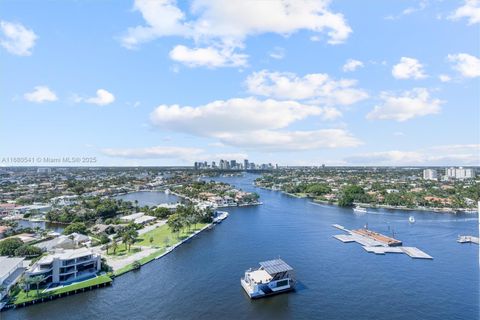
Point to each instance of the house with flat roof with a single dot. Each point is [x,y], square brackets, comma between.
[66,266]
[11,269]
[139,218]
[71,241]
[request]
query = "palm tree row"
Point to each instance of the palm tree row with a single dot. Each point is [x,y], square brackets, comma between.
[186,216]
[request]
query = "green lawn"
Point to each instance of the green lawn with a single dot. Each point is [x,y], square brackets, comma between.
[164,237]
[122,251]
[21,297]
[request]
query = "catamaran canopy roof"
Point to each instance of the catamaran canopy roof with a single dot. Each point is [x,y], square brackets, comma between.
[275,266]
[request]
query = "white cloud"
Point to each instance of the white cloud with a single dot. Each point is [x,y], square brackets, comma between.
[410,104]
[470,10]
[16,38]
[277,53]
[102,98]
[213,22]
[233,115]
[40,94]
[410,10]
[209,57]
[467,65]
[352,65]
[432,156]
[278,141]
[161,152]
[317,86]
[408,68]
[444,78]
[250,123]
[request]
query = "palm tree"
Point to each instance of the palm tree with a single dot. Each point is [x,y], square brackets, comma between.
[37,280]
[114,246]
[25,283]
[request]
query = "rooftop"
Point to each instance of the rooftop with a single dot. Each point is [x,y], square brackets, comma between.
[65,255]
[7,265]
[275,266]
[260,276]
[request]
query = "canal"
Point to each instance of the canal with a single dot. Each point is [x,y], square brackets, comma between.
[200,279]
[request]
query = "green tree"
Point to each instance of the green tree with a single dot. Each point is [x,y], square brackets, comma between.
[78,227]
[28,251]
[8,246]
[37,280]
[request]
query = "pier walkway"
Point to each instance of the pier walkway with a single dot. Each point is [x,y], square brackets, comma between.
[374,242]
[468,239]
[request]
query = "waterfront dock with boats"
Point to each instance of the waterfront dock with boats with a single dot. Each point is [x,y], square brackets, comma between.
[378,243]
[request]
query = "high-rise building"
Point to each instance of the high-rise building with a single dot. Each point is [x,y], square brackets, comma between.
[233,164]
[430,174]
[245,164]
[459,173]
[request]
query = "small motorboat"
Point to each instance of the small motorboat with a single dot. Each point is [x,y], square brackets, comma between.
[359,209]
[411,219]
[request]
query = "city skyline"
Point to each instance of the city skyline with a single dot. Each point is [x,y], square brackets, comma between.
[167,83]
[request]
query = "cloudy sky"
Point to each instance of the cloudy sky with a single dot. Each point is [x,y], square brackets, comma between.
[299,82]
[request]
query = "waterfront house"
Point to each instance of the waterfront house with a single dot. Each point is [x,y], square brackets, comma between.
[10,271]
[71,241]
[138,218]
[66,266]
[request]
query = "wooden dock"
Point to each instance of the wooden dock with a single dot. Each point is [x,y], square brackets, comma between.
[377,243]
[468,239]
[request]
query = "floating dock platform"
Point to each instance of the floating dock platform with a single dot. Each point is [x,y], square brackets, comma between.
[377,243]
[468,239]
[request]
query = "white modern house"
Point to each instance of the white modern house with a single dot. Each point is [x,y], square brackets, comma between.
[138,218]
[10,271]
[65,266]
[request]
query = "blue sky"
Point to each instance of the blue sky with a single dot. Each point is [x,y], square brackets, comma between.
[300,83]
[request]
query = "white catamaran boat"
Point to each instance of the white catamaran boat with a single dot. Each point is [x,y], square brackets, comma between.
[273,277]
[359,209]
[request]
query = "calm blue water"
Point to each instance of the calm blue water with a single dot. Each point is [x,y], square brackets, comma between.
[337,281]
[149,198]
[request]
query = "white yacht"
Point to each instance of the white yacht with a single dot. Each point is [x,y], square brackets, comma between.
[219,216]
[359,209]
[273,277]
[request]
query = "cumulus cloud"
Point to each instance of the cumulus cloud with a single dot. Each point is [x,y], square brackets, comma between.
[466,64]
[209,57]
[16,38]
[408,68]
[437,155]
[228,25]
[40,94]
[470,10]
[278,141]
[352,65]
[233,115]
[408,105]
[319,86]
[160,152]
[250,123]
[102,98]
